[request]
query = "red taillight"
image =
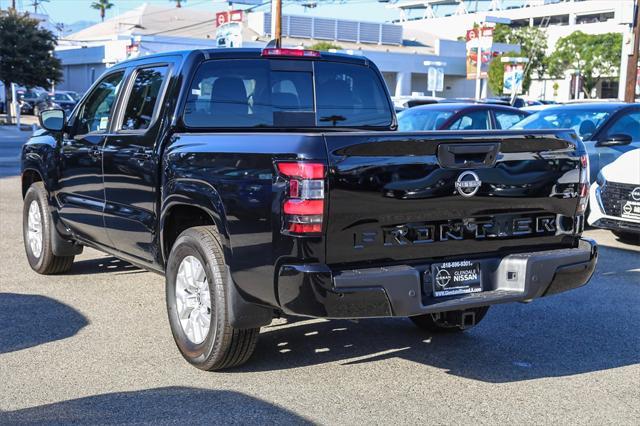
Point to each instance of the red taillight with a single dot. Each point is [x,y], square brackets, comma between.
[302,170]
[304,206]
[290,52]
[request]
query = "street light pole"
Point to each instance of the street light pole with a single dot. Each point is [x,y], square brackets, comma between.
[276,17]
[632,63]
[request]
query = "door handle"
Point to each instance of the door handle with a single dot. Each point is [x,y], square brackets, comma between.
[141,156]
[458,156]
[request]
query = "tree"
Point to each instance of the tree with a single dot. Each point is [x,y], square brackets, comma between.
[533,45]
[26,54]
[325,46]
[595,56]
[178,2]
[102,6]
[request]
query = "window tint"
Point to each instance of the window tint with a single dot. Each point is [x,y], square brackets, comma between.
[248,93]
[350,95]
[415,119]
[506,119]
[95,111]
[61,97]
[143,98]
[627,124]
[474,120]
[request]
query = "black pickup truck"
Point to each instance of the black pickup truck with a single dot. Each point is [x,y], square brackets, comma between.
[273,182]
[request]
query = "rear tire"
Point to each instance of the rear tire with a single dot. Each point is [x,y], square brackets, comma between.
[197,291]
[37,227]
[448,322]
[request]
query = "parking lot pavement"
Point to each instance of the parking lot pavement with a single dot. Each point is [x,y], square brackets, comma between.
[11,140]
[93,346]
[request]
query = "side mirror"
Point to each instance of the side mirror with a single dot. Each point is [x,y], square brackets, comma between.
[613,140]
[52,120]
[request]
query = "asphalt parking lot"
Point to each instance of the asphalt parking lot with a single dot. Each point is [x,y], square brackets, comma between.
[94,346]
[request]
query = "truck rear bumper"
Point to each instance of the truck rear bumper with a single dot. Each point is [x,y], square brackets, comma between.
[401,290]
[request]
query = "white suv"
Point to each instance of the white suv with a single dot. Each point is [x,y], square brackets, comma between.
[615,197]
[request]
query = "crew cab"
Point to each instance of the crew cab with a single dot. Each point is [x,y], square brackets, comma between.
[274,182]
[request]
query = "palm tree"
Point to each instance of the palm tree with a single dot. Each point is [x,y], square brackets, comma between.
[178,2]
[102,6]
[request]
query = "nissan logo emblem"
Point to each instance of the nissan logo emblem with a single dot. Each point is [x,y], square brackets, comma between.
[468,184]
[635,194]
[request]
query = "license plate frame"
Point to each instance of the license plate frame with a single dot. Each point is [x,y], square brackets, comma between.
[630,210]
[456,278]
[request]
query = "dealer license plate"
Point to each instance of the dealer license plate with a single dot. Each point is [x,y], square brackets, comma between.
[630,210]
[452,278]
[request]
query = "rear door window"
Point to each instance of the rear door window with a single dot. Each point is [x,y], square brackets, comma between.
[143,98]
[250,93]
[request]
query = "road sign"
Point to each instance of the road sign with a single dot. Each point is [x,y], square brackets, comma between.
[229,16]
[435,80]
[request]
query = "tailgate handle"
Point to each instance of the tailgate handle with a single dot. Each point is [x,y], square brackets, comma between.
[467,156]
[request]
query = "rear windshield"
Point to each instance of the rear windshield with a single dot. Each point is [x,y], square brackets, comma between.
[244,93]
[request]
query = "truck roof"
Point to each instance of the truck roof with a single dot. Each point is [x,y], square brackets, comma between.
[248,53]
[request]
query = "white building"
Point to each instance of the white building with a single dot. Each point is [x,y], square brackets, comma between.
[398,51]
[559,18]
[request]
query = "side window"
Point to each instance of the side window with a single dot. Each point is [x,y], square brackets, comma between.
[96,110]
[627,124]
[143,98]
[506,119]
[474,120]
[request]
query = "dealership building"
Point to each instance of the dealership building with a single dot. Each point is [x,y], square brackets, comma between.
[399,51]
[559,18]
[399,48]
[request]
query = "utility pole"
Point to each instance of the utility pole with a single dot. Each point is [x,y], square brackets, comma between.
[276,21]
[632,63]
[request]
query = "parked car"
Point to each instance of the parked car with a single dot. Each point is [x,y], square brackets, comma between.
[608,129]
[28,99]
[459,116]
[615,197]
[60,99]
[341,216]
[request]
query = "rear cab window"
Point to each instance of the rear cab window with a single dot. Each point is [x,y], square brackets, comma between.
[256,93]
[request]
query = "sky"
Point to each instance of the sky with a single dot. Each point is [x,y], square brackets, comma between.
[71,11]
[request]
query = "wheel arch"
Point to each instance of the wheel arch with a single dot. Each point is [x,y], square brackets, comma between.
[29,177]
[188,203]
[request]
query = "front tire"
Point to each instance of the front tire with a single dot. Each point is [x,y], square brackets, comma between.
[37,228]
[452,321]
[197,291]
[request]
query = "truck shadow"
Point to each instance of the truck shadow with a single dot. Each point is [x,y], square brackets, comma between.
[157,406]
[102,265]
[593,328]
[28,320]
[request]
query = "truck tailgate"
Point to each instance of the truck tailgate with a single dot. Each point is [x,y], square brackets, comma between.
[409,196]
